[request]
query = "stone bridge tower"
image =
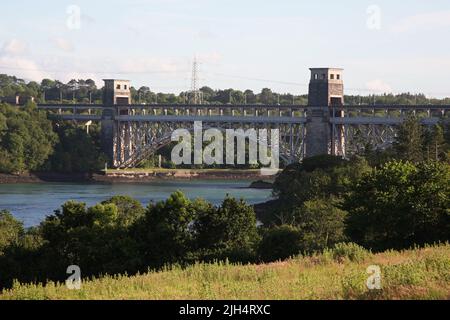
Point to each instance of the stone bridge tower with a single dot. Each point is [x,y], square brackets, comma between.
[115,93]
[326,89]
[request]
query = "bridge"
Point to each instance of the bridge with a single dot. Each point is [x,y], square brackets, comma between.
[132,132]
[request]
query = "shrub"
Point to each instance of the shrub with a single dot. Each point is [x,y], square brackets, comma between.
[321,224]
[349,251]
[400,205]
[280,243]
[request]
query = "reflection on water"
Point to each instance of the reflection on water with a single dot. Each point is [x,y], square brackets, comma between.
[30,203]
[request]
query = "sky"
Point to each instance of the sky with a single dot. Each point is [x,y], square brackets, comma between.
[383,45]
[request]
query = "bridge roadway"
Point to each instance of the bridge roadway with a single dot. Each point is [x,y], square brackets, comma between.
[228,113]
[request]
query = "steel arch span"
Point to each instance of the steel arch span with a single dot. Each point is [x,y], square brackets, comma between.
[134,142]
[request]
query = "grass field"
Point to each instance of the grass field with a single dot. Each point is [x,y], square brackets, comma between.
[335,274]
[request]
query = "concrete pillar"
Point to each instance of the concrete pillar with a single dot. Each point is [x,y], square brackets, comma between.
[318,132]
[107,134]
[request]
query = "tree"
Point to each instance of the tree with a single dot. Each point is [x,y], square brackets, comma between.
[165,233]
[266,96]
[280,243]
[76,150]
[410,140]
[320,223]
[11,230]
[400,205]
[27,139]
[129,209]
[228,231]
[319,177]
[435,144]
[92,238]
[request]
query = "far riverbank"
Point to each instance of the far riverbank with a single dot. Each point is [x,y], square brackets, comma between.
[137,176]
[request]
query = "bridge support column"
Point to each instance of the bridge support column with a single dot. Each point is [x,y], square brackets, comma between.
[107,136]
[318,132]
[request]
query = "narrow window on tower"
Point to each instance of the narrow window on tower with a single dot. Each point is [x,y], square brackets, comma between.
[332,76]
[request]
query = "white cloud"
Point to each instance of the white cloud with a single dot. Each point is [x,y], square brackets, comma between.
[64,44]
[378,86]
[150,65]
[24,68]
[14,47]
[211,58]
[429,20]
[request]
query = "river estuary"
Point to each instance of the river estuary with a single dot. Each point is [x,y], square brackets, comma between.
[31,203]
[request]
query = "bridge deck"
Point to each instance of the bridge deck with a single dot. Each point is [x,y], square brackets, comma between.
[236,113]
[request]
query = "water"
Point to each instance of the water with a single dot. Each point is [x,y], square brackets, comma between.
[31,203]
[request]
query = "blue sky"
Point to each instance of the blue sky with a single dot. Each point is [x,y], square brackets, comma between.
[384,46]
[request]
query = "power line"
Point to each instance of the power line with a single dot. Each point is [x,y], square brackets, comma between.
[93,72]
[194,78]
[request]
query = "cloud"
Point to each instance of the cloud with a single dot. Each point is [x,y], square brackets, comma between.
[25,68]
[429,20]
[378,86]
[64,44]
[14,47]
[150,65]
[209,58]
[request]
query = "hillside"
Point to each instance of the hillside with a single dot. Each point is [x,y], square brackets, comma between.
[336,274]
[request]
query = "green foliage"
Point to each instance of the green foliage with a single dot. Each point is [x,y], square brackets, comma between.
[26,138]
[409,141]
[400,205]
[280,243]
[321,224]
[165,233]
[77,151]
[422,274]
[11,230]
[129,210]
[90,237]
[436,148]
[319,177]
[349,251]
[228,231]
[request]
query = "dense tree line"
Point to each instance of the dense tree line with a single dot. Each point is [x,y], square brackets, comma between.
[26,138]
[87,91]
[30,142]
[119,235]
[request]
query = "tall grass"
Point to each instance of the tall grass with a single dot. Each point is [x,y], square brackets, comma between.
[336,274]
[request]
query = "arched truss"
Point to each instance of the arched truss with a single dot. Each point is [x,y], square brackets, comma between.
[351,139]
[136,141]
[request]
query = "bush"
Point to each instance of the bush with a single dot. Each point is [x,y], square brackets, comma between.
[228,231]
[321,224]
[400,205]
[280,243]
[11,230]
[349,251]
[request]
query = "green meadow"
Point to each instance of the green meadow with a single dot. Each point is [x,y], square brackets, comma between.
[339,273]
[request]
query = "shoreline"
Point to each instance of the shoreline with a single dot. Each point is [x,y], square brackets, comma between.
[135,176]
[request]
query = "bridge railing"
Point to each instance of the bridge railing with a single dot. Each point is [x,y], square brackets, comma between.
[180,110]
[83,111]
[391,111]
